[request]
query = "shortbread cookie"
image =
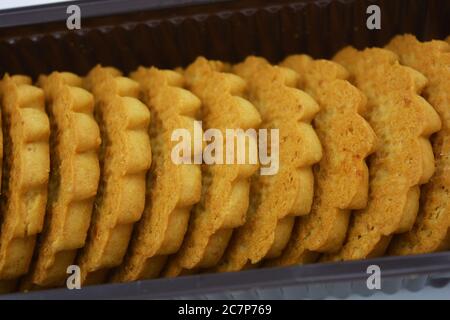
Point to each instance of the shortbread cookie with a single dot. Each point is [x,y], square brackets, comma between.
[402,121]
[276,199]
[225,187]
[26,166]
[74,177]
[342,177]
[125,157]
[430,232]
[172,189]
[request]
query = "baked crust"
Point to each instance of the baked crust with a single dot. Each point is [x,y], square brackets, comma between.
[276,199]
[74,177]
[342,177]
[26,166]
[125,157]
[225,187]
[430,232]
[403,122]
[172,189]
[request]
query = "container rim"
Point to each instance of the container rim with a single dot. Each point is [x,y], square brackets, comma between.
[52,12]
[435,264]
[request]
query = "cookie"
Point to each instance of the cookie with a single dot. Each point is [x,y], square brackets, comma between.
[125,157]
[342,175]
[25,175]
[225,187]
[430,232]
[74,177]
[172,189]
[402,121]
[276,200]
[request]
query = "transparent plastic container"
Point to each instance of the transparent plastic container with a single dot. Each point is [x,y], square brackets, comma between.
[168,34]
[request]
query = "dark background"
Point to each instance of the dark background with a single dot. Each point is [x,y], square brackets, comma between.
[126,34]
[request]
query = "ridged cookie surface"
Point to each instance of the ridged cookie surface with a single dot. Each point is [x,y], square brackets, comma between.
[172,189]
[225,187]
[276,199]
[125,157]
[342,177]
[74,177]
[430,232]
[402,121]
[26,166]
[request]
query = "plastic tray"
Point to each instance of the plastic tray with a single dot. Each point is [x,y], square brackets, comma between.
[312,281]
[172,33]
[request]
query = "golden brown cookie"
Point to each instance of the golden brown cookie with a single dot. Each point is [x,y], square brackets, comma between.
[172,189]
[342,177]
[402,121]
[430,232]
[276,199]
[74,177]
[26,166]
[225,187]
[125,157]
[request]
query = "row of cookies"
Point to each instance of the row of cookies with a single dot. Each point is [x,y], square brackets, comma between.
[88,177]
